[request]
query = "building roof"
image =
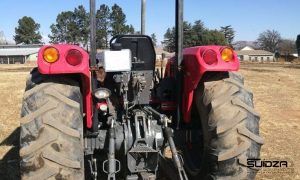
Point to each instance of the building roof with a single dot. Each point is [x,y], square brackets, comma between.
[247,48]
[18,51]
[254,53]
[9,46]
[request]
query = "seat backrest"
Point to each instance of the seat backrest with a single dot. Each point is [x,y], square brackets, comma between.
[142,49]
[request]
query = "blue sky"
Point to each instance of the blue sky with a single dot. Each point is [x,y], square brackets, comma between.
[247,17]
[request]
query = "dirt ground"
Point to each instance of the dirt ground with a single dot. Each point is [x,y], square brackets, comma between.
[276,91]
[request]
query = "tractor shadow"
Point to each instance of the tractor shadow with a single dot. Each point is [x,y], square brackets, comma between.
[9,164]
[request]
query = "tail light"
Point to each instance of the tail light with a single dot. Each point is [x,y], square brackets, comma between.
[74,57]
[210,57]
[51,55]
[227,54]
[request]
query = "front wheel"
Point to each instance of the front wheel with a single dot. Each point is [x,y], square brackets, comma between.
[228,126]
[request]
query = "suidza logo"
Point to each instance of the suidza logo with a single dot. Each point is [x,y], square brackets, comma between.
[266,163]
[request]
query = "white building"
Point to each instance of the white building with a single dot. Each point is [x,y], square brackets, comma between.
[250,54]
[18,54]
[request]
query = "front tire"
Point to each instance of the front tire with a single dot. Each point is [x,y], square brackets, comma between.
[229,129]
[51,139]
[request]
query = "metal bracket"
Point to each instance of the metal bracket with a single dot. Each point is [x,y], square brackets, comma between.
[94,169]
[116,161]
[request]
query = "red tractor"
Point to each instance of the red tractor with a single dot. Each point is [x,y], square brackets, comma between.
[199,112]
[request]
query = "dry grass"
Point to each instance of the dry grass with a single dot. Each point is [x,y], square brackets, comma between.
[276,91]
[12,83]
[277,97]
[12,87]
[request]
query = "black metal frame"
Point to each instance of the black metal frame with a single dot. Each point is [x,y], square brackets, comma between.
[179,57]
[93,33]
[145,117]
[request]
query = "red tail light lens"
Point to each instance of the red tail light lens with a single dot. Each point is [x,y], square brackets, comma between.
[74,57]
[210,57]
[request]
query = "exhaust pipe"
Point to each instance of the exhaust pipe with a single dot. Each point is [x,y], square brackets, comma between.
[143,14]
[93,33]
[178,56]
[179,32]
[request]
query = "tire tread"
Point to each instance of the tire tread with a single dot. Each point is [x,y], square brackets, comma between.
[232,122]
[51,141]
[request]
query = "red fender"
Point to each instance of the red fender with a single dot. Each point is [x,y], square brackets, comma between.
[61,66]
[194,67]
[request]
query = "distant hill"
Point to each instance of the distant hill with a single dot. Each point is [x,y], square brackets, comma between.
[238,45]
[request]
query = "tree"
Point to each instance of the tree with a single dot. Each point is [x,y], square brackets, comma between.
[154,40]
[189,34]
[118,21]
[203,36]
[199,30]
[228,33]
[213,37]
[27,31]
[130,29]
[2,38]
[71,27]
[269,40]
[194,35]
[103,26]
[199,26]
[63,31]
[287,46]
[169,40]
[81,19]
[298,45]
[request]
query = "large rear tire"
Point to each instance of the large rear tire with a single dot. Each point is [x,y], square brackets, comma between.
[51,139]
[229,129]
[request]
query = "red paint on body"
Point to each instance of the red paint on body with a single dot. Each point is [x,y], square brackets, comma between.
[61,66]
[194,67]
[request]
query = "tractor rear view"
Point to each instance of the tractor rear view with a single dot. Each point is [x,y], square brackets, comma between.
[111,115]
